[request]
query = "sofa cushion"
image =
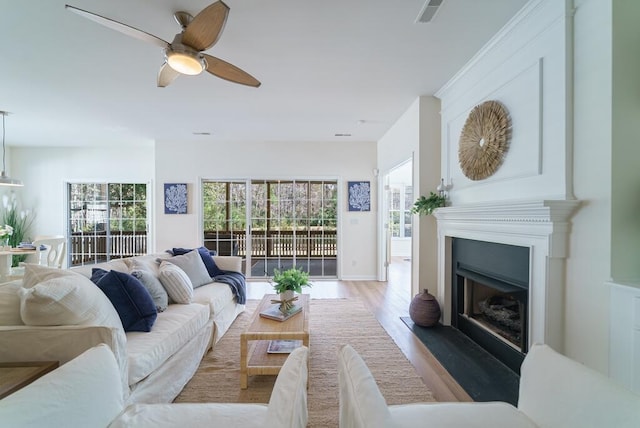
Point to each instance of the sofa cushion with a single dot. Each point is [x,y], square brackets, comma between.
[173,329]
[132,301]
[176,282]
[10,303]
[215,294]
[194,415]
[63,297]
[154,287]
[85,392]
[191,263]
[468,415]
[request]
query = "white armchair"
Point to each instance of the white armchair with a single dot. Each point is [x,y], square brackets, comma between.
[555,392]
[86,392]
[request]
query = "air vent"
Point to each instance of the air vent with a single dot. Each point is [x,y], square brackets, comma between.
[429,10]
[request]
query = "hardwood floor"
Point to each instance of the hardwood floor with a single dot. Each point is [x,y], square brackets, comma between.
[388,301]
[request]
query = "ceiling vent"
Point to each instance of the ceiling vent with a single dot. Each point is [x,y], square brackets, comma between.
[428,11]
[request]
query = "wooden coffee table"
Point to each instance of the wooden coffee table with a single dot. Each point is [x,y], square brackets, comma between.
[254,359]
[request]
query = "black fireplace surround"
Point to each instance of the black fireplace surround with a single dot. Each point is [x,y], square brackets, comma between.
[498,269]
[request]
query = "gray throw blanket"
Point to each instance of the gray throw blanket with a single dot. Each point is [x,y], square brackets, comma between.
[237,282]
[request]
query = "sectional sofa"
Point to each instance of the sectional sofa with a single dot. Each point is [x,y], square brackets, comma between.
[54,314]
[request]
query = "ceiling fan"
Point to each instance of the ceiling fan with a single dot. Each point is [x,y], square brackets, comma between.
[184,55]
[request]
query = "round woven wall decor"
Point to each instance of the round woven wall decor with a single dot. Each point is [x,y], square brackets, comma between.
[484,140]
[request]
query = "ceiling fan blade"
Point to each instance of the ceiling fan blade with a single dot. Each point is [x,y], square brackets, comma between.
[205,28]
[118,26]
[230,72]
[166,75]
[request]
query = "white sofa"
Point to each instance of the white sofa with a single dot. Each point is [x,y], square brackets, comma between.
[85,392]
[555,392]
[155,365]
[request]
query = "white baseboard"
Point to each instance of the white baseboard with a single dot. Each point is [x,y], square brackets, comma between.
[359,278]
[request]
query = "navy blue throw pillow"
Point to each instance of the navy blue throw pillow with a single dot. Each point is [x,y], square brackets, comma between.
[132,301]
[205,255]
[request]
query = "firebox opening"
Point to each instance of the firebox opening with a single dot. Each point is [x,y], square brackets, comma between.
[500,313]
[490,297]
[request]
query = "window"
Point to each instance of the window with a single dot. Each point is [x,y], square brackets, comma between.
[106,221]
[400,216]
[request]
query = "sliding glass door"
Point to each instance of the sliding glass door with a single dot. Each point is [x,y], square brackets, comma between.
[277,224]
[106,221]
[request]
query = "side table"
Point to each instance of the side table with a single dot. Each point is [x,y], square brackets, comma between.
[14,376]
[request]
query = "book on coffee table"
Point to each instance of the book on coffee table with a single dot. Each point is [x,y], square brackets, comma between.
[283,346]
[274,313]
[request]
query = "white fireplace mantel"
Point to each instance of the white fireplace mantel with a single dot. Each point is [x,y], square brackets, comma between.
[543,226]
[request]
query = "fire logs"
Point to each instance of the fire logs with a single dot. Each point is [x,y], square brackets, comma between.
[503,310]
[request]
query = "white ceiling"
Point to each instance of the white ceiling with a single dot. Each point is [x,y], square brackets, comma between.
[324,65]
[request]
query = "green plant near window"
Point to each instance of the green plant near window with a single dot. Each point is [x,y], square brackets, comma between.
[19,220]
[425,206]
[291,279]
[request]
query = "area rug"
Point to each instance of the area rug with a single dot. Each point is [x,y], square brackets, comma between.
[333,322]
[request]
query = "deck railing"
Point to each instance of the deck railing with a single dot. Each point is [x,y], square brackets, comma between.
[310,244]
[91,248]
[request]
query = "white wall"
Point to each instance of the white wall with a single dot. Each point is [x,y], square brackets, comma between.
[44,172]
[589,265]
[416,135]
[524,67]
[191,162]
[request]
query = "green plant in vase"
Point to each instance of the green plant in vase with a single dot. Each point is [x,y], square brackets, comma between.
[19,221]
[285,283]
[425,206]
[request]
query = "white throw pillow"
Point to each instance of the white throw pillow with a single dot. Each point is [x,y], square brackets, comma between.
[64,298]
[35,274]
[10,304]
[176,282]
[149,262]
[191,263]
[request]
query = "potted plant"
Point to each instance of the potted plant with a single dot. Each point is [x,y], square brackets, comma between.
[426,206]
[289,281]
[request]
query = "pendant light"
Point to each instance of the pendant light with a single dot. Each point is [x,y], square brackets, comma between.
[4,180]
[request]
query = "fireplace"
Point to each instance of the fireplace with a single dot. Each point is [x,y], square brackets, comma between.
[538,230]
[490,295]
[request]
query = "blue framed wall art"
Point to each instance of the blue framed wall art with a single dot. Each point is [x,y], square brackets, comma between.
[359,195]
[175,198]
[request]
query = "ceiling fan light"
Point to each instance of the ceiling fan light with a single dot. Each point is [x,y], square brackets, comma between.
[185,63]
